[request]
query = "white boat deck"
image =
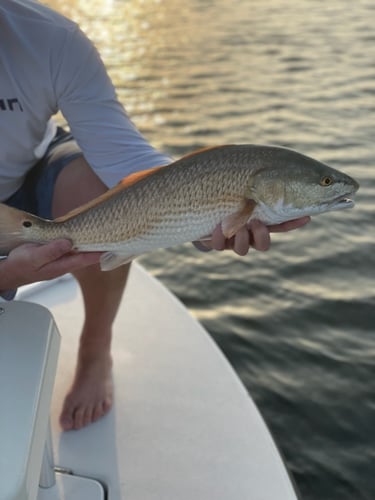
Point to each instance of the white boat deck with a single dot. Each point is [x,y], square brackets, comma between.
[182,427]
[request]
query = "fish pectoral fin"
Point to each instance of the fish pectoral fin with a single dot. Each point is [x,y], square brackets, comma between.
[233,222]
[110,260]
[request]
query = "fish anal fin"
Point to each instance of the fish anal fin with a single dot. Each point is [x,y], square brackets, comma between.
[233,222]
[111,260]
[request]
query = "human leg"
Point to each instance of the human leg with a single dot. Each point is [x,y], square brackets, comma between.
[90,395]
[59,182]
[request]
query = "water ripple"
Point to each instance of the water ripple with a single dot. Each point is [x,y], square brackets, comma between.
[297,323]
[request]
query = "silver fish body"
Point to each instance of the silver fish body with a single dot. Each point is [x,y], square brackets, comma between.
[185,201]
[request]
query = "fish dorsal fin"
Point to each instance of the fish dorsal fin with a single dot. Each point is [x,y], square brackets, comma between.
[135,177]
[125,183]
[93,203]
[202,150]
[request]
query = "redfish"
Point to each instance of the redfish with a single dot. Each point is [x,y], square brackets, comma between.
[184,201]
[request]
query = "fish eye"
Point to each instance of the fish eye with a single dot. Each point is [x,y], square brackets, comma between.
[27,223]
[326,181]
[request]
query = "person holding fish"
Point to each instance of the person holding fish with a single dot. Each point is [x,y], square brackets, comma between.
[48,65]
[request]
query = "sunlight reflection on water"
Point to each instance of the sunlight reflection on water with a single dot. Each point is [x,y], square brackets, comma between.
[297,323]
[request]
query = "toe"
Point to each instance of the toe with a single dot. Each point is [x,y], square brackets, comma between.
[78,418]
[66,422]
[88,416]
[98,412]
[66,417]
[107,405]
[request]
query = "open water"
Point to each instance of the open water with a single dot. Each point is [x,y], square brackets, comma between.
[298,322]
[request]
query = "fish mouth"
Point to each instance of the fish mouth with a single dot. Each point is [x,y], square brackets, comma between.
[341,202]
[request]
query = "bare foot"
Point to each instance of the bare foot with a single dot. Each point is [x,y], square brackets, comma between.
[91,394]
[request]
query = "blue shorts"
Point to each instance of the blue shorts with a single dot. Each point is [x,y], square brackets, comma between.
[36,193]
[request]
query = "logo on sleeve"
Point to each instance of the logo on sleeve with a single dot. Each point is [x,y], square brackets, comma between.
[12,104]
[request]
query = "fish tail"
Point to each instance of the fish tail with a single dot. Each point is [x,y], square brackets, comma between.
[15,226]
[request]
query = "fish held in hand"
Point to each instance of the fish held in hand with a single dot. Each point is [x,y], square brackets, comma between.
[186,200]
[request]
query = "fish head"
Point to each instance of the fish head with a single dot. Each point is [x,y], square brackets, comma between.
[292,185]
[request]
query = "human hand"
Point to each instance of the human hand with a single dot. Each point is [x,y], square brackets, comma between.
[255,234]
[30,263]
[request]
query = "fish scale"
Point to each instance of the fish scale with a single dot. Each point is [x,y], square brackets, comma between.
[186,200]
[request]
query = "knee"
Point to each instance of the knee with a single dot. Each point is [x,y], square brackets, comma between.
[76,184]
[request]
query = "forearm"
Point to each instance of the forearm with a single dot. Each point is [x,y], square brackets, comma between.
[87,98]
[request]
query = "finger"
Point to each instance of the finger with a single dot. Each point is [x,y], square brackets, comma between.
[51,252]
[242,241]
[261,235]
[289,225]
[229,243]
[218,239]
[70,263]
[39,255]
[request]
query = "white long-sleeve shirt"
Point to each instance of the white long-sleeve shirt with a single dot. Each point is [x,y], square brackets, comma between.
[47,64]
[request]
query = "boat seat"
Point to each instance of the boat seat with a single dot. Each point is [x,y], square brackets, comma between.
[29,347]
